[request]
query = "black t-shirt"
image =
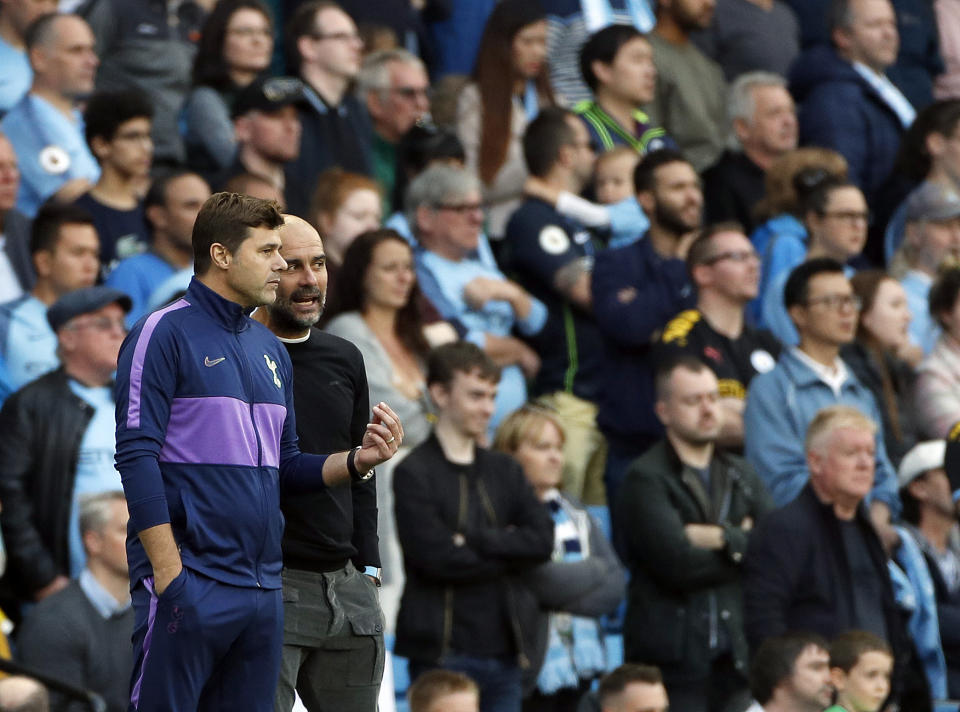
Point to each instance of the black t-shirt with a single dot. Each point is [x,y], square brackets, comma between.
[539,241]
[868,587]
[123,233]
[324,529]
[735,361]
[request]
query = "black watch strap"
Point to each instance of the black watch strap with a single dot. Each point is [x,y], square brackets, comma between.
[355,474]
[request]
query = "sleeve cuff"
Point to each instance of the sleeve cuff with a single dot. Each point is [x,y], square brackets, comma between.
[535,319]
[149,513]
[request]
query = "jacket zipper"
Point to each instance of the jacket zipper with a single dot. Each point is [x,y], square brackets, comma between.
[248,377]
[448,592]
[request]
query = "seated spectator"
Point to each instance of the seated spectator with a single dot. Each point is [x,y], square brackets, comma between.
[117,126]
[791,673]
[930,519]
[636,289]
[378,310]
[627,688]
[171,207]
[684,510]
[344,206]
[860,668]
[583,582]
[15,18]
[325,49]
[445,212]
[396,90]
[81,635]
[23,694]
[149,46]
[763,127]
[57,443]
[846,101]
[511,84]
[724,269]
[807,378]
[818,561]
[617,65]
[467,519]
[932,239]
[62,56]
[751,35]
[443,691]
[256,187]
[691,94]
[836,217]
[877,357]
[65,253]
[937,397]
[235,47]
[16,271]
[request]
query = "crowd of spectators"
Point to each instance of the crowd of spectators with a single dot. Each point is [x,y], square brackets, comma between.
[665,292]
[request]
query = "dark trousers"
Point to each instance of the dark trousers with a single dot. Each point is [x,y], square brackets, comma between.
[723,689]
[333,649]
[566,700]
[205,645]
[501,688]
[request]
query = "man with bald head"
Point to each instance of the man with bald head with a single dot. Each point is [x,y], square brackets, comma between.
[45,126]
[330,539]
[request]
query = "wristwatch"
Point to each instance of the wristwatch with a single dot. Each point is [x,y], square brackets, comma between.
[355,474]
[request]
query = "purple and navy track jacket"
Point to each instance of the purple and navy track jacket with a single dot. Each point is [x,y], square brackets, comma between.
[206,437]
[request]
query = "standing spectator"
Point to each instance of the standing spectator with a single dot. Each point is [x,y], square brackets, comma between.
[635,290]
[725,271]
[631,687]
[750,36]
[57,443]
[584,581]
[685,510]
[467,519]
[326,50]
[444,210]
[811,376]
[118,133]
[818,561]
[763,127]
[791,673]
[65,253]
[235,47]
[847,103]
[876,357]
[171,208]
[45,127]
[937,400]
[691,94]
[81,635]
[15,17]
[16,271]
[330,537]
[443,691]
[510,84]
[617,65]
[396,91]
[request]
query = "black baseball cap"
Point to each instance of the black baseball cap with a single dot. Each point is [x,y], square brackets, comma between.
[269,94]
[83,301]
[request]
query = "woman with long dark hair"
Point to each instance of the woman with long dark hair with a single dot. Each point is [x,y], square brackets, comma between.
[235,47]
[511,83]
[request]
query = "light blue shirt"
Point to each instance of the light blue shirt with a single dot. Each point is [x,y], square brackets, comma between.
[100,598]
[138,277]
[95,471]
[923,331]
[16,77]
[28,346]
[51,150]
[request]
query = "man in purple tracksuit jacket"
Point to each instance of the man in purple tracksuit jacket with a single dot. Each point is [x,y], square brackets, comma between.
[206,441]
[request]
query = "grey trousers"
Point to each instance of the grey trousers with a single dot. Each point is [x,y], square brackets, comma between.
[333,649]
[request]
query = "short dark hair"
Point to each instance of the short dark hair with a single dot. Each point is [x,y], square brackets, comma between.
[544,138]
[107,111]
[670,364]
[797,289]
[615,682]
[944,292]
[226,218]
[813,198]
[839,15]
[847,648]
[157,193]
[433,684]
[302,23]
[460,356]
[45,231]
[40,30]
[775,659]
[643,174]
[603,46]
[701,251]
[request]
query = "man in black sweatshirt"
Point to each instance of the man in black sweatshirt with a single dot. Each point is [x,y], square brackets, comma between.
[333,649]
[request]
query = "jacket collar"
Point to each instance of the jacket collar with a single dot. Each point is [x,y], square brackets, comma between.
[802,375]
[228,314]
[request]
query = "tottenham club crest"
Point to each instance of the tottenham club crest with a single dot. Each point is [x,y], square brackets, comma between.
[272,365]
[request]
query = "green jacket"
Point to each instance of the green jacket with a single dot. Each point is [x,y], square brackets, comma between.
[682,600]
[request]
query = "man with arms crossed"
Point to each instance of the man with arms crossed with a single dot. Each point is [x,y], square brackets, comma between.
[206,441]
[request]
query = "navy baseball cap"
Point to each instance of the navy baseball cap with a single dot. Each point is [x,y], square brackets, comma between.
[83,301]
[269,94]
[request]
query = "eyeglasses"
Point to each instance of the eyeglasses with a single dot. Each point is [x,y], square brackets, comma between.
[847,215]
[411,92]
[132,136]
[837,301]
[734,256]
[337,36]
[460,207]
[247,32]
[103,323]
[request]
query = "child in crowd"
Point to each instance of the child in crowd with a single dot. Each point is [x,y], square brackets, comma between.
[860,668]
[613,177]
